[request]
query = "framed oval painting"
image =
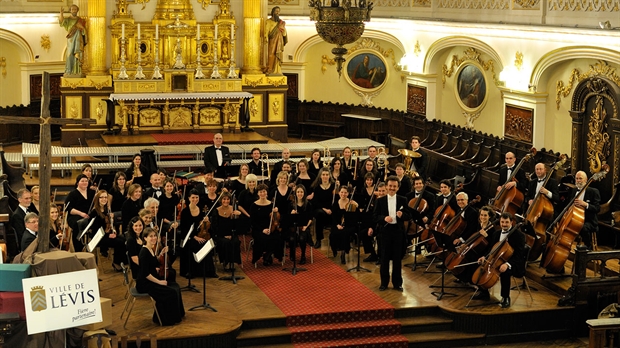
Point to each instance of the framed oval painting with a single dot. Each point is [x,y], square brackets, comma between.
[471,87]
[366,71]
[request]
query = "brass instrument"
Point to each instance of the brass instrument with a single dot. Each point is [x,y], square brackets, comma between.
[326,155]
[382,161]
[265,166]
[354,158]
[408,156]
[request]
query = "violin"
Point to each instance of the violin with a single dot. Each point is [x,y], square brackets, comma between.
[274,217]
[205,225]
[487,274]
[181,204]
[511,199]
[66,233]
[566,228]
[351,207]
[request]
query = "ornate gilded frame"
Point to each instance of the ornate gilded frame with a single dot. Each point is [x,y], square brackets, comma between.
[471,87]
[375,59]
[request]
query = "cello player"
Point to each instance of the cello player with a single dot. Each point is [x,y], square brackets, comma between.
[506,171]
[516,263]
[590,201]
[536,184]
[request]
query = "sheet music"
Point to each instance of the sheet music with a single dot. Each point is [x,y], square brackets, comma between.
[187,236]
[204,251]
[90,224]
[96,239]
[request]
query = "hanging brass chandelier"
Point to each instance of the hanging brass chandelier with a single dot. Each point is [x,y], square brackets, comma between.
[340,23]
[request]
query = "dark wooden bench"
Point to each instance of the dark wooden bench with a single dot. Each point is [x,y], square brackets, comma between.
[321,129]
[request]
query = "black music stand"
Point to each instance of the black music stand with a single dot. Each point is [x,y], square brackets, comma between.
[204,304]
[418,219]
[295,269]
[445,242]
[358,268]
[233,238]
[189,286]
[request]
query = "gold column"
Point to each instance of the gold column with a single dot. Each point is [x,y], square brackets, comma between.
[96,37]
[252,44]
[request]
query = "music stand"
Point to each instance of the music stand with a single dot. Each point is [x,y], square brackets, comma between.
[418,219]
[445,242]
[295,269]
[358,268]
[199,257]
[233,238]
[189,286]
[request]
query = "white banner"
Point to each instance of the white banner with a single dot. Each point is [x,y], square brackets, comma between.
[62,301]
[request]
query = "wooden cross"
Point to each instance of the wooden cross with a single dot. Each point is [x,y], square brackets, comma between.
[45,158]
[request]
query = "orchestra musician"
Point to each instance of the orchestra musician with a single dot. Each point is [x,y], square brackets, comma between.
[223,220]
[343,224]
[78,203]
[391,212]
[515,264]
[506,171]
[418,190]
[118,192]
[166,293]
[405,182]
[301,219]
[348,161]
[372,154]
[87,170]
[24,198]
[34,205]
[238,184]
[590,201]
[368,166]
[267,241]
[469,215]
[208,200]
[104,218]
[134,243]
[152,205]
[133,203]
[363,197]
[31,221]
[322,200]
[445,194]
[255,165]
[303,177]
[216,157]
[339,173]
[168,202]
[192,215]
[137,172]
[55,227]
[246,197]
[418,164]
[277,167]
[535,185]
[155,190]
[315,163]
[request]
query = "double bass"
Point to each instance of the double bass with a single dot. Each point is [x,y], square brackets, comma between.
[510,199]
[487,274]
[565,229]
[420,205]
[539,215]
[442,216]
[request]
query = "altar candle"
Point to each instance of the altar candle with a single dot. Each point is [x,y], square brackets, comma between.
[123,30]
[156,31]
[138,31]
[197,32]
[232,32]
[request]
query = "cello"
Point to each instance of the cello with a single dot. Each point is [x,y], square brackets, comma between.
[539,215]
[441,218]
[420,205]
[475,244]
[510,200]
[457,224]
[487,274]
[565,229]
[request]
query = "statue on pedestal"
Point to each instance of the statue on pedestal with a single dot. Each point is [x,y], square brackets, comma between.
[76,40]
[276,38]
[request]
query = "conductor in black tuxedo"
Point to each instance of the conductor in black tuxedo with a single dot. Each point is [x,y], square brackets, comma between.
[550,189]
[506,171]
[589,200]
[217,156]
[391,212]
[418,164]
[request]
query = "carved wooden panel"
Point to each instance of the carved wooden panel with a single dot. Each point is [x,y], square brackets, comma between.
[293,90]
[519,123]
[35,86]
[416,99]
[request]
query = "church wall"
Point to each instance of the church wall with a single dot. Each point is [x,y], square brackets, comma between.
[10,83]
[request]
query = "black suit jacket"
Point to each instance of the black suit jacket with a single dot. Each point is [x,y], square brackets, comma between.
[17,223]
[211,164]
[381,211]
[471,219]
[27,239]
[552,186]
[452,202]
[421,163]
[150,192]
[430,200]
[593,198]
[517,242]
[520,176]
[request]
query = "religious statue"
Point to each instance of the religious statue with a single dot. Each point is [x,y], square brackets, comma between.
[275,36]
[76,40]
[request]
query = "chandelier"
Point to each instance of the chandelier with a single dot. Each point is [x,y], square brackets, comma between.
[340,24]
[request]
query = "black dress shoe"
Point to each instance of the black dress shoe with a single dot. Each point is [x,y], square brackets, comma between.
[382,288]
[398,288]
[371,258]
[317,245]
[302,261]
[505,302]
[342,259]
[482,295]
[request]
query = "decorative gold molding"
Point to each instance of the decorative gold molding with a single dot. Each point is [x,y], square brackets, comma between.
[325,60]
[276,82]
[366,43]
[253,82]
[470,117]
[601,68]
[518,60]
[3,66]
[470,54]
[204,3]
[598,144]
[46,44]
[416,48]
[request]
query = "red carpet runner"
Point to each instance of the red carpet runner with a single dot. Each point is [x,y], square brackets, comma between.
[183,138]
[326,307]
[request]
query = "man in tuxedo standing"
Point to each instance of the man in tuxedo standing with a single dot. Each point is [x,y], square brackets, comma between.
[24,197]
[590,201]
[418,164]
[506,171]
[391,212]
[217,156]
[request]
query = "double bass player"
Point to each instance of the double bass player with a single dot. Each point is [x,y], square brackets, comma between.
[589,200]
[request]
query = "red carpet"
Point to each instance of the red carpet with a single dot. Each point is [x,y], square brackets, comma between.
[183,138]
[326,307]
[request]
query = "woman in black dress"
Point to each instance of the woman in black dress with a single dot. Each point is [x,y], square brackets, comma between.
[132,206]
[134,244]
[303,177]
[246,197]
[192,215]
[118,192]
[78,202]
[315,163]
[103,218]
[168,205]
[323,198]
[167,294]
[138,173]
[301,219]
[366,197]
[368,166]
[55,227]
[238,184]
[267,241]
[339,173]
[223,221]
[343,223]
